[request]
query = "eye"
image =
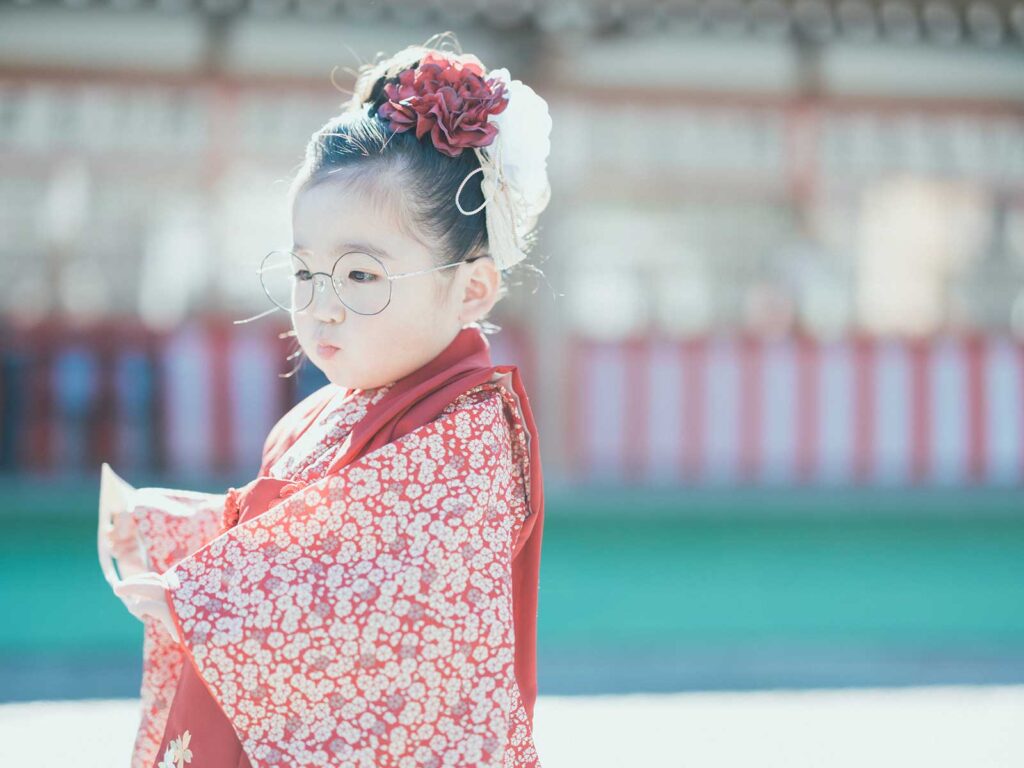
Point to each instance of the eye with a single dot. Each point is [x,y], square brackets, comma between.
[367,277]
[304,274]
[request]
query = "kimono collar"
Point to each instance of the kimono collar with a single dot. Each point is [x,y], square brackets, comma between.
[421,396]
[412,402]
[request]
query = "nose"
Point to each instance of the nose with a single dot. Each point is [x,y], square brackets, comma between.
[325,306]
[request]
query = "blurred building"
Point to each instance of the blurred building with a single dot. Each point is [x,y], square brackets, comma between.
[786,238]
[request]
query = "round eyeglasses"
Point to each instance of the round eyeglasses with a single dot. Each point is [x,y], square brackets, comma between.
[360,280]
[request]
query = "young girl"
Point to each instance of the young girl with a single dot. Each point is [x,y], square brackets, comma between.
[370,598]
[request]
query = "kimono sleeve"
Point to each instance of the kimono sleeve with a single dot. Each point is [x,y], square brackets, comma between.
[170,524]
[174,523]
[163,660]
[367,619]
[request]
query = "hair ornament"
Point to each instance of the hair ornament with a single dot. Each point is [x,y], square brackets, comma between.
[448,98]
[461,106]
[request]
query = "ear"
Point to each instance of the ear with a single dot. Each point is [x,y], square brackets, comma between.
[480,287]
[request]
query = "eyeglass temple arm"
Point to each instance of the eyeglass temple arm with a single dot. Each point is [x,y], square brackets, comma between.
[434,269]
[256,317]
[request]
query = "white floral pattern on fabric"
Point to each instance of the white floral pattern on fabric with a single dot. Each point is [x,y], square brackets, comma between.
[171,524]
[313,452]
[174,523]
[367,619]
[172,527]
[177,753]
[163,659]
[168,759]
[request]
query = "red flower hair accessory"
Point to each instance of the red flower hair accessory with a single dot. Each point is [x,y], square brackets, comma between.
[462,105]
[447,97]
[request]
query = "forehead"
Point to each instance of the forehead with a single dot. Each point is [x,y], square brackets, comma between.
[331,217]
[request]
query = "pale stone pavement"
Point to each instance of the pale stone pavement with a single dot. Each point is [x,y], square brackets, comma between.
[931,727]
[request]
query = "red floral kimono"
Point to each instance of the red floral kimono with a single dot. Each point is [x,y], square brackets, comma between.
[370,599]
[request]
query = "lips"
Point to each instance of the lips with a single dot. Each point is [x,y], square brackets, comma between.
[326,350]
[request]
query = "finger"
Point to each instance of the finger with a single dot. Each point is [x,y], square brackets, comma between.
[132,603]
[158,610]
[113,540]
[123,525]
[127,590]
[141,608]
[146,586]
[134,608]
[146,579]
[119,546]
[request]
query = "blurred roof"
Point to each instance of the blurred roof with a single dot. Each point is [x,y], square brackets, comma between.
[987,23]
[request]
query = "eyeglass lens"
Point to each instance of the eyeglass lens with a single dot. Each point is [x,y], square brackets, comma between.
[359,280]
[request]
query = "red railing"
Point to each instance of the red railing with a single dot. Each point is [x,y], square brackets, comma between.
[724,408]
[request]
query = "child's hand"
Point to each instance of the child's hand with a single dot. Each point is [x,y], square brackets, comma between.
[122,543]
[117,524]
[145,594]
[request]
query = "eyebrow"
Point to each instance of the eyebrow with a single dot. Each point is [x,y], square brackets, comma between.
[340,248]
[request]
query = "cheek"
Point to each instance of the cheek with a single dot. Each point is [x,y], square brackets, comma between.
[434,300]
[303,328]
[421,321]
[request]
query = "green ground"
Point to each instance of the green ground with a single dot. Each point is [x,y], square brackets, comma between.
[652,590]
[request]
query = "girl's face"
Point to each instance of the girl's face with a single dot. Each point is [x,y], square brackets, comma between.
[425,313]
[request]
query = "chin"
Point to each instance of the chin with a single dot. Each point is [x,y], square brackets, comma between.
[336,376]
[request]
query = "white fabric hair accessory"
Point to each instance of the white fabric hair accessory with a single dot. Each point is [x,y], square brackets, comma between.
[457,103]
[515,178]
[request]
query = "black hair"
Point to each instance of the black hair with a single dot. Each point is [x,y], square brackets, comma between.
[403,174]
[406,175]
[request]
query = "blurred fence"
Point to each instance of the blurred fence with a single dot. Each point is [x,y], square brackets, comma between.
[196,400]
[199,398]
[737,409]
[724,408]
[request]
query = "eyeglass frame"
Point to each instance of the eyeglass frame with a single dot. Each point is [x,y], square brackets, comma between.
[330,277]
